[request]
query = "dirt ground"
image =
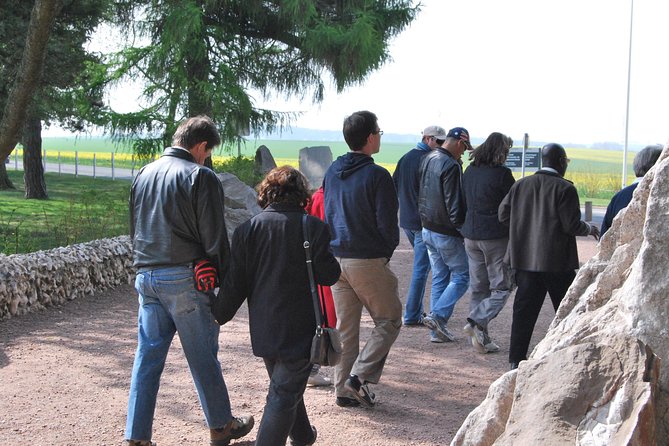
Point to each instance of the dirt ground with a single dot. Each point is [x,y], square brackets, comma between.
[65,371]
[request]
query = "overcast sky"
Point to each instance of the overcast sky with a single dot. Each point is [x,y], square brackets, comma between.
[556,70]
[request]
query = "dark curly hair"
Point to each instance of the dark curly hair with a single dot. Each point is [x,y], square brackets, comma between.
[493,151]
[283,184]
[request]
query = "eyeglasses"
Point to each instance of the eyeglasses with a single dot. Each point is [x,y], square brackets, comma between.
[378,132]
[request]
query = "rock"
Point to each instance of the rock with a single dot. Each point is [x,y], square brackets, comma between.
[264,161]
[596,377]
[240,201]
[314,162]
[485,423]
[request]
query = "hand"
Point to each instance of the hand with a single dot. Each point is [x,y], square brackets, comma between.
[594,231]
[206,276]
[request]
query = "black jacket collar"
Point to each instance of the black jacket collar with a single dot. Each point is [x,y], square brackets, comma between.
[178,153]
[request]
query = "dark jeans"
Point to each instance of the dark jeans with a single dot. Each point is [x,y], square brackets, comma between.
[532,288]
[284,412]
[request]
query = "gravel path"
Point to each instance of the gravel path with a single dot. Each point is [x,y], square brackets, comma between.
[64,375]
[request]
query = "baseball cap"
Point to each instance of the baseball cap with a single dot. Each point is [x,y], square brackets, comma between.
[436,131]
[460,133]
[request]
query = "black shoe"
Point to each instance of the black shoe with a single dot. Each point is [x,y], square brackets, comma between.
[236,428]
[313,429]
[343,401]
[360,391]
[513,366]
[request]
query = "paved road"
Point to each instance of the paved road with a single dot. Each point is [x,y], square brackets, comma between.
[102,172]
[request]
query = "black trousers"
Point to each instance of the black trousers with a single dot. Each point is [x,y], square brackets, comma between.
[532,288]
[285,413]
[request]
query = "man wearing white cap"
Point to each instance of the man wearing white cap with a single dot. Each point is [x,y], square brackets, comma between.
[407,182]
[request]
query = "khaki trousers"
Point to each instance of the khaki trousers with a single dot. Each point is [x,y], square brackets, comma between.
[367,283]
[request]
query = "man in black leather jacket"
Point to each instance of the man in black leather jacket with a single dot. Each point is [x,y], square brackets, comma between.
[442,211]
[176,219]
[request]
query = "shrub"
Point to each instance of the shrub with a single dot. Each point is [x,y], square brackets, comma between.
[240,166]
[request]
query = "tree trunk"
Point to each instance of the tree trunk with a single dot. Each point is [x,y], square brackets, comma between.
[33,169]
[28,75]
[5,182]
[198,65]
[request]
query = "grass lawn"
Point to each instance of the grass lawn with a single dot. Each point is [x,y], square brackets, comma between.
[82,209]
[77,210]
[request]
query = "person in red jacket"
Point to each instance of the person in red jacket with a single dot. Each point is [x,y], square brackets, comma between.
[315,207]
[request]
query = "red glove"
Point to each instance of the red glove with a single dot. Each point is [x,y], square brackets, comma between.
[206,276]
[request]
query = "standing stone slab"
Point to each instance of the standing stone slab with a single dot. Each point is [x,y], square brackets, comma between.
[314,161]
[264,161]
[240,201]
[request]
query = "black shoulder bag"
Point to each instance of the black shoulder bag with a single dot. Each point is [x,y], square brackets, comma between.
[326,345]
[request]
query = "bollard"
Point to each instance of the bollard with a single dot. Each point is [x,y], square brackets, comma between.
[588,211]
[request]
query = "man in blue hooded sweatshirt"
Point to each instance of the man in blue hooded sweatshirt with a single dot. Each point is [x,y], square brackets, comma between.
[361,208]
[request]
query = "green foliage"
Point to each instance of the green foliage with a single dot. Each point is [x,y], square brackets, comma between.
[241,167]
[78,210]
[210,56]
[66,94]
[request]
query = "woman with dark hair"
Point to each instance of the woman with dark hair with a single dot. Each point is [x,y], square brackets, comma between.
[485,184]
[268,267]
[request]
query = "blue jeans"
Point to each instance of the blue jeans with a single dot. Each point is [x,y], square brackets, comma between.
[421,269]
[169,303]
[284,412]
[450,271]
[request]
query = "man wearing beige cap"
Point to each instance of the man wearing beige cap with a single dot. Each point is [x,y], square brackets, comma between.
[407,181]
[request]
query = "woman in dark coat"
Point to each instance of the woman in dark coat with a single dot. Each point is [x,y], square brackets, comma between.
[268,267]
[485,184]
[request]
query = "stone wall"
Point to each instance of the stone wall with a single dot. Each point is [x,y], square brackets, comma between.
[44,278]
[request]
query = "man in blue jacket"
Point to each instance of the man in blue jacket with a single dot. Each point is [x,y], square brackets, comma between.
[407,182]
[643,161]
[361,208]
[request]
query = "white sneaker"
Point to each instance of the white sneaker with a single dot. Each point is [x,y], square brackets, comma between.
[480,339]
[436,339]
[470,331]
[318,380]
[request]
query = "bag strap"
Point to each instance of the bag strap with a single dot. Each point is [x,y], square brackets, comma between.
[310,271]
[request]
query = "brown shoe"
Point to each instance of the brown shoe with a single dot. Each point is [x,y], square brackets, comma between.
[139,443]
[236,428]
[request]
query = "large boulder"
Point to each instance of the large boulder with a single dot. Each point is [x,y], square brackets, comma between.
[240,201]
[596,378]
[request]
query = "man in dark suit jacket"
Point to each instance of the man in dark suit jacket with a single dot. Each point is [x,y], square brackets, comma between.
[544,216]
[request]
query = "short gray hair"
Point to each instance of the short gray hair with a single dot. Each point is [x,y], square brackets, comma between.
[646,159]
